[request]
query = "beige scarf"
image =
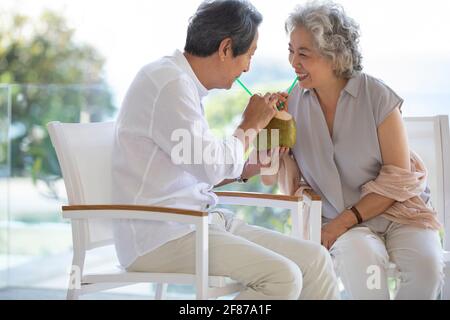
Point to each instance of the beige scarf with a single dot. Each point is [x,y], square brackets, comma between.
[393,182]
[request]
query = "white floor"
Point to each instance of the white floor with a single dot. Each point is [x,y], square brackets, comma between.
[52,294]
[47,278]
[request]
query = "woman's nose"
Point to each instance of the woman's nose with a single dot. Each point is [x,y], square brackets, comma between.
[294,61]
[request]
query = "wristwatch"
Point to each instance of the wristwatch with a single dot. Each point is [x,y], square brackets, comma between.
[241,180]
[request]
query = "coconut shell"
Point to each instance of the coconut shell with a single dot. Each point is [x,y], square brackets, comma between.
[286,125]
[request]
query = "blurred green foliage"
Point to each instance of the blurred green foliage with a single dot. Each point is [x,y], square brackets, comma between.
[4,122]
[52,77]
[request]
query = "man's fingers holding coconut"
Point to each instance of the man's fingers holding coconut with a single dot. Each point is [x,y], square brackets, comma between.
[272,99]
[259,112]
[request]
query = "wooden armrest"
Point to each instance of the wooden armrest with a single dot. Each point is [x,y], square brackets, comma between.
[309,192]
[135,208]
[259,196]
[312,195]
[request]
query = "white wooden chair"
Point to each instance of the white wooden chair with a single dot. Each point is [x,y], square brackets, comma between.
[430,138]
[84,153]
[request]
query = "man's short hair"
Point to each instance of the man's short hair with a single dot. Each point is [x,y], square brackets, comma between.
[217,20]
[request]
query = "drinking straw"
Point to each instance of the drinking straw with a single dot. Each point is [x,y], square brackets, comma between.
[244,87]
[289,92]
[293,85]
[250,93]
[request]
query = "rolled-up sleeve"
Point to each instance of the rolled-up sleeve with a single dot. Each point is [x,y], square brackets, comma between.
[386,101]
[180,129]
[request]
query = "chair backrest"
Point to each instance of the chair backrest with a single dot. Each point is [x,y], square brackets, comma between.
[430,138]
[84,153]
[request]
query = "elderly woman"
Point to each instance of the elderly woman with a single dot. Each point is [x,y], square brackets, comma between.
[353,150]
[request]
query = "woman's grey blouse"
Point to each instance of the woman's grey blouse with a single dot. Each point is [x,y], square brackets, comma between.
[337,167]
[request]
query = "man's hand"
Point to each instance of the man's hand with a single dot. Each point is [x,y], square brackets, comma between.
[260,161]
[255,163]
[259,112]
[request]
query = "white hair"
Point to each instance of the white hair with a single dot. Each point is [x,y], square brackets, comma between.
[336,36]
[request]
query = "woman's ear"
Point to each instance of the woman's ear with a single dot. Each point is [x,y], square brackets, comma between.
[226,49]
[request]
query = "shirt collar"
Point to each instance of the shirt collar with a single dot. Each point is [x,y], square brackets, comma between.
[184,64]
[352,87]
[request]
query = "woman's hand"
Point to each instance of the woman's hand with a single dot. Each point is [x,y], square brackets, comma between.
[266,158]
[337,227]
[331,232]
[270,164]
[282,103]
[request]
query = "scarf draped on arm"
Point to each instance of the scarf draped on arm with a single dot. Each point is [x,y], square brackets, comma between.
[403,186]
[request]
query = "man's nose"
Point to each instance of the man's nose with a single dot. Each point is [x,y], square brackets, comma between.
[294,61]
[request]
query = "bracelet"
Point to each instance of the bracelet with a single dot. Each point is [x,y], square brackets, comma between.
[357,214]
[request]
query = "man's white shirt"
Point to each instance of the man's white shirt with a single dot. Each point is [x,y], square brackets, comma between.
[166,155]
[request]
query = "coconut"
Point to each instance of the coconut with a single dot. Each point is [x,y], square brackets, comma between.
[286,126]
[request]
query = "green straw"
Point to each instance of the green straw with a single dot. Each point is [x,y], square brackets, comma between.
[289,92]
[243,86]
[250,93]
[293,85]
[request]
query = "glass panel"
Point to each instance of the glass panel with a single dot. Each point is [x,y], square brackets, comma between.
[40,240]
[4,186]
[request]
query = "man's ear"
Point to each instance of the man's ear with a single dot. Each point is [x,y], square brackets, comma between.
[226,49]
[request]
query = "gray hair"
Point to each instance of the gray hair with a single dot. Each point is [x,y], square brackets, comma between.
[336,35]
[216,20]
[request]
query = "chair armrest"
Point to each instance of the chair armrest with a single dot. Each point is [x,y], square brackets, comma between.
[259,200]
[132,212]
[309,193]
[313,208]
[252,195]
[135,208]
[313,196]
